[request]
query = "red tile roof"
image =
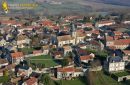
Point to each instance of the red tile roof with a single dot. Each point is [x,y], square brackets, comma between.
[88,25]
[117,37]
[105,22]
[87,57]
[46,23]
[122,42]
[117,33]
[109,38]
[8,22]
[37,51]
[65,38]
[17,55]
[66,69]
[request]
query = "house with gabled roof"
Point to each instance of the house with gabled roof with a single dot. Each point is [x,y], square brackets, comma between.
[84,56]
[22,40]
[46,49]
[69,72]
[17,57]
[24,71]
[95,45]
[3,62]
[80,36]
[64,40]
[3,42]
[67,49]
[105,23]
[114,64]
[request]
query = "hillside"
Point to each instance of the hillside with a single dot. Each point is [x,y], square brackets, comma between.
[113,2]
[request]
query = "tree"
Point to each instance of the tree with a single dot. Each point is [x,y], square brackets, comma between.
[86,19]
[45,78]
[87,29]
[100,17]
[65,62]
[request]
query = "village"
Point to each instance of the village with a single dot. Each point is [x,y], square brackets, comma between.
[53,50]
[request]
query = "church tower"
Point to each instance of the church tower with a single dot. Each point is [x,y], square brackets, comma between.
[73,30]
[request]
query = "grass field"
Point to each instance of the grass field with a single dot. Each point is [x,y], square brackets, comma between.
[44,59]
[99,78]
[4,79]
[41,57]
[77,81]
[120,74]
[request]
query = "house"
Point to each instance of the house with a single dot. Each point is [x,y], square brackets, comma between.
[114,64]
[126,52]
[82,46]
[24,71]
[17,57]
[45,49]
[37,52]
[68,72]
[3,42]
[86,58]
[117,33]
[122,43]
[8,22]
[46,23]
[15,80]
[126,55]
[3,62]
[95,45]
[89,25]
[67,49]
[80,36]
[125,35]
[126,22]
[31,81]
[22,40]
[105,23]
[118,44]
[64,40]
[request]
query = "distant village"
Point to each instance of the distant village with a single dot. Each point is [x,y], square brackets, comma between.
[37,50]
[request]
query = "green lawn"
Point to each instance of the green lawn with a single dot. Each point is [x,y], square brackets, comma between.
[4,79]
[47,63]
[27,50]
[120,74]
[77,81]
[99,78]
[44,59]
